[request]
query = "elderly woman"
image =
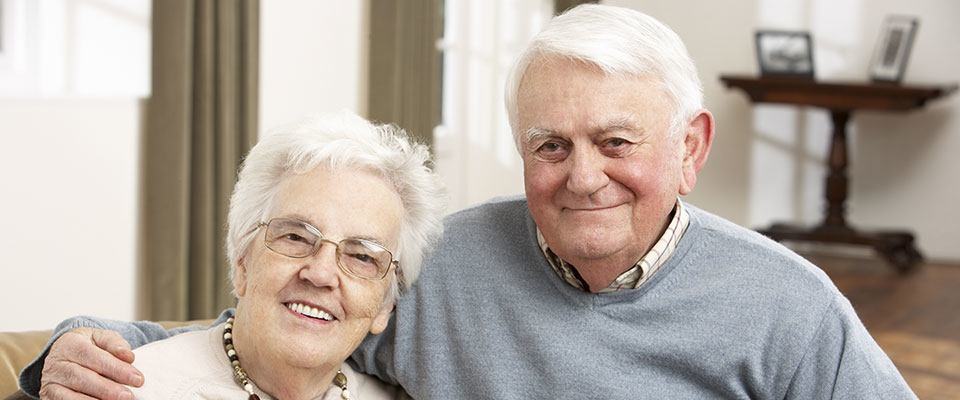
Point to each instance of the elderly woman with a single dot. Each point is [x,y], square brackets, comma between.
[329,218]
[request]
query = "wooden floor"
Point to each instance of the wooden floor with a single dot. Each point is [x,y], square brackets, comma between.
[914,317]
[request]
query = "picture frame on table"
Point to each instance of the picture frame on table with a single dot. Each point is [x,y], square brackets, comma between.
[892,51]
[785,53]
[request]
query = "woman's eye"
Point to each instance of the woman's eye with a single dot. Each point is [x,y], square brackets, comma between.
[362,258]
[293,237]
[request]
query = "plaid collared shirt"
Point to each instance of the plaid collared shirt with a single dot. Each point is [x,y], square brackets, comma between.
[641,271]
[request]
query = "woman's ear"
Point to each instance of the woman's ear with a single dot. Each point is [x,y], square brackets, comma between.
[382,319]
[240,277]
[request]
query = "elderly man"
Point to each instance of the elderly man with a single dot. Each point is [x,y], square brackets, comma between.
[600,283]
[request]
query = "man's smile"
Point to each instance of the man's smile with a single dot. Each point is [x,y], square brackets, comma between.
[590,208]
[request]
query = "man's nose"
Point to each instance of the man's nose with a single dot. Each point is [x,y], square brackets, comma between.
[321,269]
[586,174]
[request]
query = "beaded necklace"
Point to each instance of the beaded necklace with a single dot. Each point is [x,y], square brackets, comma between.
[240,376]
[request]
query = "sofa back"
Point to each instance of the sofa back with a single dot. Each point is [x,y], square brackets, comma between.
[17,349]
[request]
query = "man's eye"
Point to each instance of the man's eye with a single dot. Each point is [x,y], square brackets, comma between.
[615,142]
[616,147]
[551,151]
[550,147]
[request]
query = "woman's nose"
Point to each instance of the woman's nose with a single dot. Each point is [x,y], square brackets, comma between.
[321,269]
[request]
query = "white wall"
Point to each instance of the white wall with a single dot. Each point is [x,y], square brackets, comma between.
[68,169]
[312,58]
[71,76]
[767,162]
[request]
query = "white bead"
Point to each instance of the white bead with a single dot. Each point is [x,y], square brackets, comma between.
[227,335]
[231,353]
[345,394]
[248,387]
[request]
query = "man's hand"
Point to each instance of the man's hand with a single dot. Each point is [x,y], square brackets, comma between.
[89,363]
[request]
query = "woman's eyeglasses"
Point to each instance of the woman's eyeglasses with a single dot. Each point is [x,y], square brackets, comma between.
[298,239]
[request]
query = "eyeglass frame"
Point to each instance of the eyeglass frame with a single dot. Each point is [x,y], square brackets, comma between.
[316,248]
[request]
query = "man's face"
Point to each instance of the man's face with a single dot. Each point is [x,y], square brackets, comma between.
[601,170]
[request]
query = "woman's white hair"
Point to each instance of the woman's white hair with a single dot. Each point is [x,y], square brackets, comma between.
[337,141]
[619,41]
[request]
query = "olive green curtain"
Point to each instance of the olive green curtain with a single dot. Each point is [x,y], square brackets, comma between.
[201,118]
[405,73]
[405,65]
[559,6]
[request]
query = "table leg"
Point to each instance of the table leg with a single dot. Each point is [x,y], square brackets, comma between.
[897,247]
[836,184]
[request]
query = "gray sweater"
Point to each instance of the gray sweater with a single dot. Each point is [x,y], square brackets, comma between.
[730,315]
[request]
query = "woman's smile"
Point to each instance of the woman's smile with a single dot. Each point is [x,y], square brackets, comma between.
[305,310]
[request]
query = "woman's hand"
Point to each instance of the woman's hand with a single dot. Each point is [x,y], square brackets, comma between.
[89,363]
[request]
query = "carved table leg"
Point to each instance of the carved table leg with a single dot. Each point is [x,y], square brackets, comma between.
[835,189]
[897,247]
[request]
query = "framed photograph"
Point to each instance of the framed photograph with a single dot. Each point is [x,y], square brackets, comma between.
[785,53]
[890,55]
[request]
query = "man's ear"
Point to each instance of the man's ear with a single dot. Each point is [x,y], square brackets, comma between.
[383,317]
[698,136]
[240,277]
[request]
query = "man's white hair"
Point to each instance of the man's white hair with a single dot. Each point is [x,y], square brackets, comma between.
[619,41]
[340,141]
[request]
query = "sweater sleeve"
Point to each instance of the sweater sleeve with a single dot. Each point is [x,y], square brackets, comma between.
[842,361]
[136,333]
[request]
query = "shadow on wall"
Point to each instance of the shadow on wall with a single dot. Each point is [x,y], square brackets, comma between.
[787,164]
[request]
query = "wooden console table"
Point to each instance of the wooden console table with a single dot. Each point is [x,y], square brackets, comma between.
[841,99]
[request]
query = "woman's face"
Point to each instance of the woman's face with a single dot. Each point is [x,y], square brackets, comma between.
[345,203]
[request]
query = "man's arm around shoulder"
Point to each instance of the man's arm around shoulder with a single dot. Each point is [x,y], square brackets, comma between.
[92,356]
